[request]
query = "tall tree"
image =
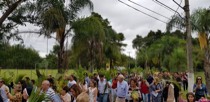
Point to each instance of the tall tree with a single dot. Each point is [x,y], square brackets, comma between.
[88,39]
[55,16]
[200,21]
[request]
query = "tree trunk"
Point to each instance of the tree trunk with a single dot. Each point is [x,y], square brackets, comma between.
[9,11]
[61,52]
[189,47]
[207,68]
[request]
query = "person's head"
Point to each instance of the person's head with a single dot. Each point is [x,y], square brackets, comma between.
[72,77]
[190,97]
[101,76]
[45,85]
[156,80]
[51,81]
[133,83]
[33,81]
[1,82]
[17,88]
[199,80]
[27,78]
[120,78]
[65,90]
[75,90]
[93,83]
[95,74]
[27,92]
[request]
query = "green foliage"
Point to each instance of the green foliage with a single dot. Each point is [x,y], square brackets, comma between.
[36,96]
[19,78]
[17,56]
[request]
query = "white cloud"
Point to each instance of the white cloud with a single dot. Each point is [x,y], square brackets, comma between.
[123,19]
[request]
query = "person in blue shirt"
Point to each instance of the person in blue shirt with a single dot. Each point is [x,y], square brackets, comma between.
[3,96]
[199,88]
[122,89]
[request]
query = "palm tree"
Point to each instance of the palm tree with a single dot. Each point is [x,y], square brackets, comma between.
[56,16]
[200,21]
[88,39]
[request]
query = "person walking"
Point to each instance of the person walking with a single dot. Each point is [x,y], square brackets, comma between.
[103,89]
[199,88]
[156,90]
[122,89]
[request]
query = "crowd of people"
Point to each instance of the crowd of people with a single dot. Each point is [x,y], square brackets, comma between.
[157,87]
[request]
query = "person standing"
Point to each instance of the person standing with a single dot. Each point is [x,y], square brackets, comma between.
[71,81]
[199,88]
[92,91]
[144,87]
[17,97]
[156,90]
[134,94]
[103,86]
[49,92]
[65,96]
[3,86]
[113,89]
[122,89]
[185,81]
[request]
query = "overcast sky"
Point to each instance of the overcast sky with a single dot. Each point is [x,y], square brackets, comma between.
[123,19]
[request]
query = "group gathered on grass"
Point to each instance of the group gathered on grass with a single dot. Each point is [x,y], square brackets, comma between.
[157,87]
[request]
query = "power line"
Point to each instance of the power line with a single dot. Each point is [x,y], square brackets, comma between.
[141,11]
[178,6]
[164,5]
[149,9]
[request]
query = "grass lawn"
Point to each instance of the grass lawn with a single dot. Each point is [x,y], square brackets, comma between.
[28,72]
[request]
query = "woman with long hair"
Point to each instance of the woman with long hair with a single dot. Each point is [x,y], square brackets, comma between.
[93,91]
[134,94]
[199,88]
[75,91]
[156,90]
[190,97]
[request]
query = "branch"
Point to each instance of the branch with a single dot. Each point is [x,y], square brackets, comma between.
[9,11]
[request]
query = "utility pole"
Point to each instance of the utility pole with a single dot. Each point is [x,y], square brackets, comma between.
[189,47]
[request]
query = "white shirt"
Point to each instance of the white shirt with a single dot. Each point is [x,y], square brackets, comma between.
[66,97]
[70,83]
[101,87]
[5,88]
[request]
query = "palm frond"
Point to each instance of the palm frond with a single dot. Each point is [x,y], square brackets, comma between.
[177,22]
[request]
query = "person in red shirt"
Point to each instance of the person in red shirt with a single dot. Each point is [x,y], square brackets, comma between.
[144,88]
[114,87]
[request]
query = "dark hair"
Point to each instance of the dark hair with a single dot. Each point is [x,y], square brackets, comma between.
[66,89]
[23,84]
[188,94]
[134,80]
[198,79]
[74,78]
[33,81]
[77,89]
[94,82]
[27,78]
[101,75]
